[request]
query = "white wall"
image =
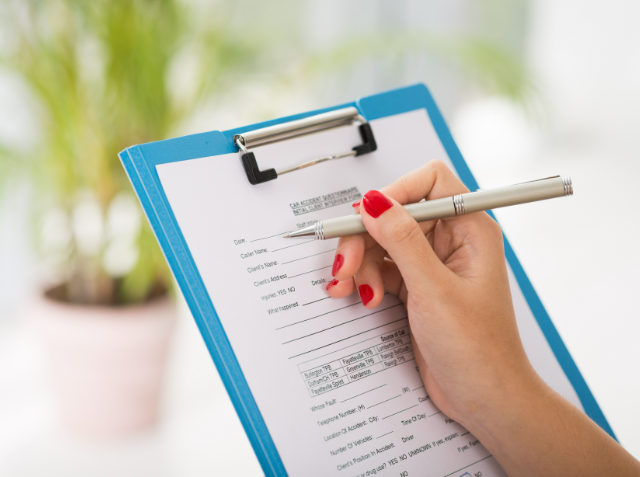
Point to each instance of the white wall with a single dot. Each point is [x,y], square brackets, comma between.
[580,253]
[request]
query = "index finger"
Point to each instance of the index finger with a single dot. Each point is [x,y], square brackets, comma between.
[434,180]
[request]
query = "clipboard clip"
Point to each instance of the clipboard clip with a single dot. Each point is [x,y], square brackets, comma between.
[280,132]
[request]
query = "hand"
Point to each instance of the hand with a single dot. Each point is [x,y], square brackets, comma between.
[452,277]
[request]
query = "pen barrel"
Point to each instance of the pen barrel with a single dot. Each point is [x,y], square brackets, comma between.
[462,204]
[515,194]
[431,209]
[422,212]
[343,226]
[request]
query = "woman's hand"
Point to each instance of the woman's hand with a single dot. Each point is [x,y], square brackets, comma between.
[452,277]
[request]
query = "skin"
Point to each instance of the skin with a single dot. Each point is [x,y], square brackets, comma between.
[452,277]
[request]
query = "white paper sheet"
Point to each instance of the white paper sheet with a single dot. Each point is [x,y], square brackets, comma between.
[336,383]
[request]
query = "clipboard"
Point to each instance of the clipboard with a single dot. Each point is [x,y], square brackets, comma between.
[140,163]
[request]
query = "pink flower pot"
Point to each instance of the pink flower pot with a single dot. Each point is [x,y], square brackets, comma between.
[107,363]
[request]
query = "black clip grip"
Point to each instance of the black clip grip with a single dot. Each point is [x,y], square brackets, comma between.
[368,141]
[254,174]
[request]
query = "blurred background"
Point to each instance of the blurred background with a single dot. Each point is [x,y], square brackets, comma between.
[530,88]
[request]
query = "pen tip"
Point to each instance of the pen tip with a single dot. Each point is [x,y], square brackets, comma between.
[285,236]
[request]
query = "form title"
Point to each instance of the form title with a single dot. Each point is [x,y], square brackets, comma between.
[325,201]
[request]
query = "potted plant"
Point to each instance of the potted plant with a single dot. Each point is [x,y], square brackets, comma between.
[103,76]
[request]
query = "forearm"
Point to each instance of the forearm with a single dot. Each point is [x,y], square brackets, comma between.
[533,431]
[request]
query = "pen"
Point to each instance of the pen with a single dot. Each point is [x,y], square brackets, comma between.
[541,189]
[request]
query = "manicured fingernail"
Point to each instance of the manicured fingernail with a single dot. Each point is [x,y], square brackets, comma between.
[376,203]
[332,283]
[337,264]
[366,293]
[355,204]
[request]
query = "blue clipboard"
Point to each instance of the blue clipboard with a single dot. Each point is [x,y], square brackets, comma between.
[140,163]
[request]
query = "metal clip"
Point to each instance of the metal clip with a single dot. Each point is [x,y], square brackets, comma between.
[284,131]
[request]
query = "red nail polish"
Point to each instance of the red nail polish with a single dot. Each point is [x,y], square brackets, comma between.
[337,264]
[332,283]
[355,204]
[376,203]
[366,293]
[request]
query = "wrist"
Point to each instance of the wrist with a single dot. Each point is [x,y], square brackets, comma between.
[531,431]
[507,407]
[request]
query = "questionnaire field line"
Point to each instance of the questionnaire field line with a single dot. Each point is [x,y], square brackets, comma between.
[382,402]
[318,316]
[399,412]
[417,388]
[270,236]
[308,256]
[473,463]
[346,347]
[316,301]
[299,274]
[294,245]
[344,339]
[391,432]
[339,324]
[435,413]
[352,397]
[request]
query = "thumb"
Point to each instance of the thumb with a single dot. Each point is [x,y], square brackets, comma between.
[400,235]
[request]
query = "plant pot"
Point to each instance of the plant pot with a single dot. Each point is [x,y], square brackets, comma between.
[106,363]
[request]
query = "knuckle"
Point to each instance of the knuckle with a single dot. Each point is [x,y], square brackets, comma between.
[405,182]
[496,230]
[406,185]
[403,230]
[437,165]
[493,228]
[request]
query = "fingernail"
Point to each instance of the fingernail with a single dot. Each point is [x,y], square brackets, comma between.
[366,293]
[355,204]
[332,283]
[337,264]
[376,203]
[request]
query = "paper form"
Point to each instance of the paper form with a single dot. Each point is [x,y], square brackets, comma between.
[336,383]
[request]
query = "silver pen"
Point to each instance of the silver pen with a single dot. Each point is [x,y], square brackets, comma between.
[461,204]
